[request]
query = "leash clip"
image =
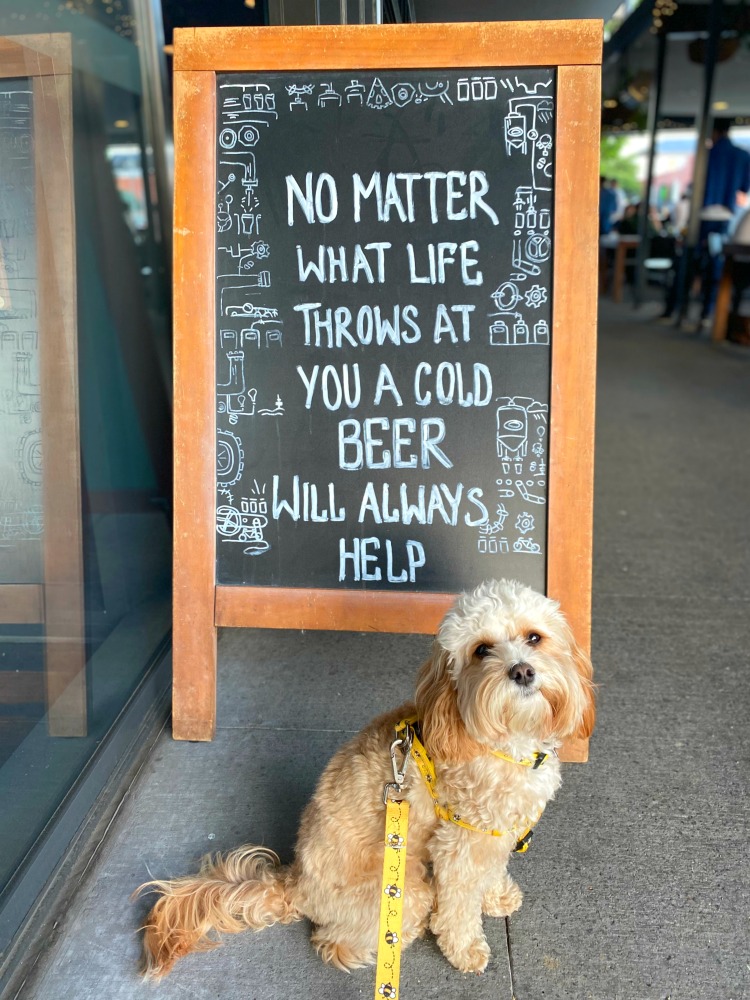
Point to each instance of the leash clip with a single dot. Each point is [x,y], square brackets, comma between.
[399,772]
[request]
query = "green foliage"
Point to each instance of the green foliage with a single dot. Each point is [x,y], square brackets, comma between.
[612,163]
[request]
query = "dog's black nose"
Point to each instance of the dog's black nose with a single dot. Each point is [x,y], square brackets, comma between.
[522,673]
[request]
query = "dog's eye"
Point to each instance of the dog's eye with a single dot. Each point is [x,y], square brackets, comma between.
[533,638]
[482,650]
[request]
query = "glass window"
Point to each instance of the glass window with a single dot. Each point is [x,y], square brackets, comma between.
[85,423]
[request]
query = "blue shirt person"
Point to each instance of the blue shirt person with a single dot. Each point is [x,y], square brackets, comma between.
[727,174]
[728,171]
[607,206]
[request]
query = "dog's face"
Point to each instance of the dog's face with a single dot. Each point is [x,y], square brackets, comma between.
[504,665]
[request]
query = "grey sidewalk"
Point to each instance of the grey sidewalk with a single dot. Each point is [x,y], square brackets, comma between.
[637,886]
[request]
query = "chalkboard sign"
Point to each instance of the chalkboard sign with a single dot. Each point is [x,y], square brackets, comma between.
[384,286]
[385,306]
[21,519]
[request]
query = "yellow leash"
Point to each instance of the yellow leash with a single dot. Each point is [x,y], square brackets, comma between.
[393,886]
[392,899]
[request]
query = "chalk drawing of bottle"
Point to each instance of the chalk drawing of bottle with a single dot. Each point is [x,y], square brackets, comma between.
[520,331]
[512,435]
[541,332]
[499,333]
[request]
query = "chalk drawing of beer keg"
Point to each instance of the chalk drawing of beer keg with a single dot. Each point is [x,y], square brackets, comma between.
[512,431]
[515,132]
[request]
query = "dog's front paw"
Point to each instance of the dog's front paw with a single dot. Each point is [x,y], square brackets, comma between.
[466,956]
[473,958]
[502,900]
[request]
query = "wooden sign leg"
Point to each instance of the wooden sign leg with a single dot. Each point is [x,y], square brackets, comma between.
[194,667]
[194,632]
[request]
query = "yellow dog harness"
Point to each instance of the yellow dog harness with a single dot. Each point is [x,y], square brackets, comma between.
[394,857]
[410,729]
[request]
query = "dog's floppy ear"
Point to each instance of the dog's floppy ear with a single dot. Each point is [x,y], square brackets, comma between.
[571,702]
[443,730]
[586,673]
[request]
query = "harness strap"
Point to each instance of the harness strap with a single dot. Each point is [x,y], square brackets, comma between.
[426,768]
[533,762]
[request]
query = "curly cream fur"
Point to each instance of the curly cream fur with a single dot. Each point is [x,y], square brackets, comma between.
[468,705]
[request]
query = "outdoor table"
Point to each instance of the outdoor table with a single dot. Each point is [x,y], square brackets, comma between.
[734,254]
[624,243]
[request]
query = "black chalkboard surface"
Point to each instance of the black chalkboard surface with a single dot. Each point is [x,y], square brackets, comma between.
[383,325]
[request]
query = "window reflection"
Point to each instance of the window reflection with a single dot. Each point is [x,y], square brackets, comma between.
[85,422]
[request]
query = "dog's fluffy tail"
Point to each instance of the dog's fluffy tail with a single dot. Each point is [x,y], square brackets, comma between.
[244,889]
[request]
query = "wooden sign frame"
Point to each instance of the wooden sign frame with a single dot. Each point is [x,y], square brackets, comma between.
[57,602]
[573,49]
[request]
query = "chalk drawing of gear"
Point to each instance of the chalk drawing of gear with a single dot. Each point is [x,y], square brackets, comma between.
[29,458]
[230,459]
[403,94]
[535,296]
[525,523]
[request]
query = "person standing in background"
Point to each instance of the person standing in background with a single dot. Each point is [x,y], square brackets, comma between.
[727,184]
[621,200]
[681,215]
[607,206]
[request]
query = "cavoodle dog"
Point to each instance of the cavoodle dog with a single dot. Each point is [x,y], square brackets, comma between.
[505,684]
